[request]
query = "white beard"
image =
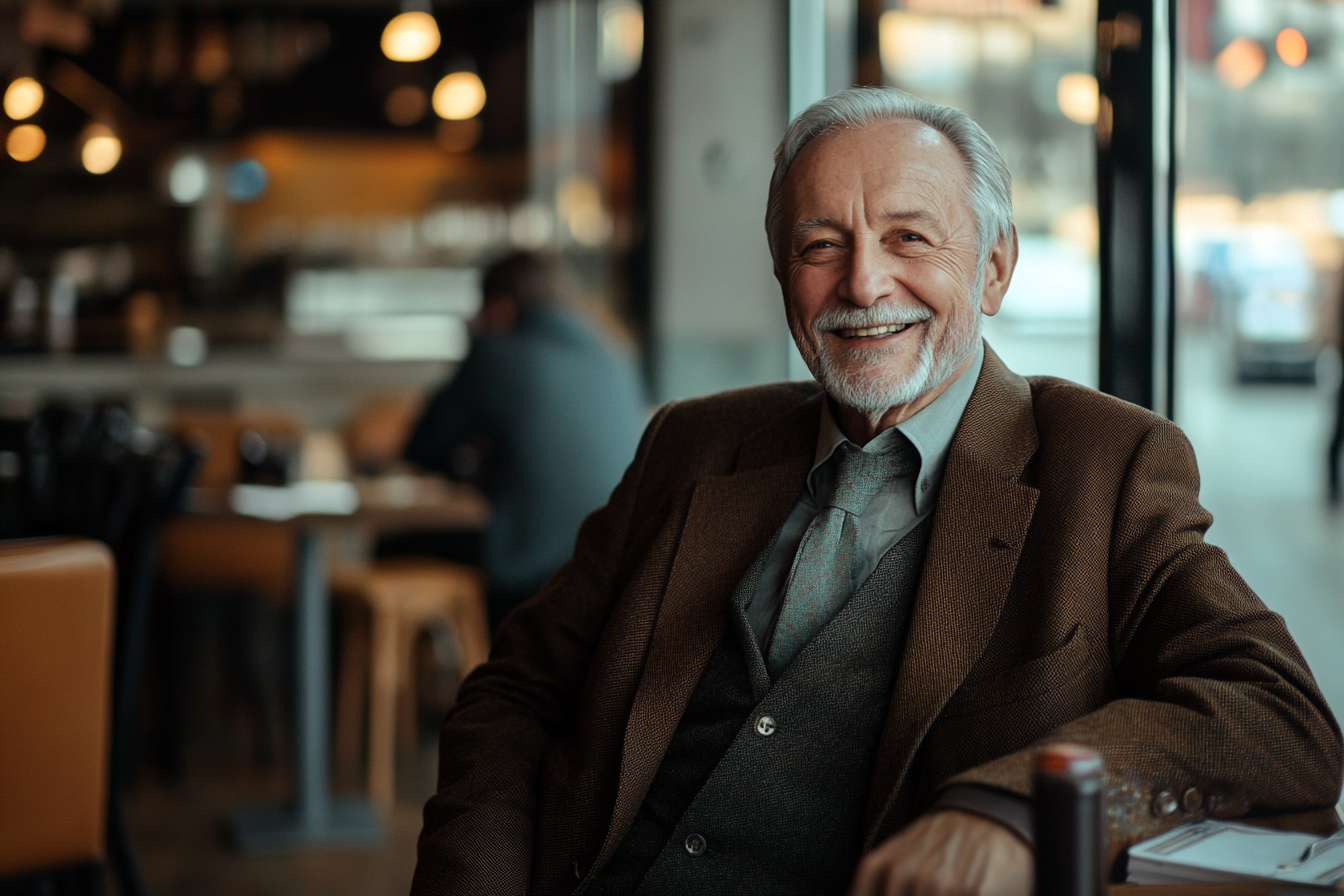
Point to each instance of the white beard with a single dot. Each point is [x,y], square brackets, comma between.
[862,379]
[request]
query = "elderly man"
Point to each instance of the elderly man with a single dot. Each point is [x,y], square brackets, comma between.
[814,639]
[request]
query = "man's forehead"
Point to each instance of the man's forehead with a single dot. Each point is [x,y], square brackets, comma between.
[890,152]
[898,141]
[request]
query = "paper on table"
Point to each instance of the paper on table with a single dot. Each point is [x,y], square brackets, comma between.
[286,502]
[1216,851]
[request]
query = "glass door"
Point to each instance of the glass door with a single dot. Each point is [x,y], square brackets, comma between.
[1259,216]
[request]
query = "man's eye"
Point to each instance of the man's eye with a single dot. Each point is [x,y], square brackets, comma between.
[911,238]
[819,244]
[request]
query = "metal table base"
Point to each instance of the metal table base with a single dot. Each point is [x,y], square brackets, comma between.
[315,819]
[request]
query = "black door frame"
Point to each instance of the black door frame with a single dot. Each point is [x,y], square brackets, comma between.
[1136,180]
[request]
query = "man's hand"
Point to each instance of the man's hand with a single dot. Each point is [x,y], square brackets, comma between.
[948,853]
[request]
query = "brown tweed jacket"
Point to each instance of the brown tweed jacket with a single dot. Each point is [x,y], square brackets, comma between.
[1067,593]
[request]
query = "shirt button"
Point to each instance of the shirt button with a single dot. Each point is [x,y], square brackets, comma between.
[695,845]
[1164,804]
[765,726]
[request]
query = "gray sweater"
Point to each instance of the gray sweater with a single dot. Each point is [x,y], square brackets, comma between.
[561,409]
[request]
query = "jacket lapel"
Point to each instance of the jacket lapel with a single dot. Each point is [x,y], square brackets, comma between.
[729,520]
[983,514]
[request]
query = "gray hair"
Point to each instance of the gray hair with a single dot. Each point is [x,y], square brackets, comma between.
[990,194]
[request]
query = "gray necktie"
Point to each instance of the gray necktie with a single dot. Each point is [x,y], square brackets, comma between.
[831,555]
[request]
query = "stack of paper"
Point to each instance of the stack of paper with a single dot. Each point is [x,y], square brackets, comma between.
[1219,852]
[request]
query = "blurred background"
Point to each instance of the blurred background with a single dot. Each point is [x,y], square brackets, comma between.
[243,241]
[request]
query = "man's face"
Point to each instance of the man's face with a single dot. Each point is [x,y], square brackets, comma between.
[881,283]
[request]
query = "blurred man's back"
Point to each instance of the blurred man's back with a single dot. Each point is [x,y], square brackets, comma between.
[557,407]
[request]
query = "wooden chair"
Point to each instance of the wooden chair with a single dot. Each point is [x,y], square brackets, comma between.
[244,564]
[402,596]
[56,618]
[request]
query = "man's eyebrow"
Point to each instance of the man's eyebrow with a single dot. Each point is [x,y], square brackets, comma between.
[812,224]
[913,215]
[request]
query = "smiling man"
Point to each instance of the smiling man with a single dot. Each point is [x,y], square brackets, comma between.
[815,639]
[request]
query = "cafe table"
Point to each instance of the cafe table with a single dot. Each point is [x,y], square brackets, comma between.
[307,512]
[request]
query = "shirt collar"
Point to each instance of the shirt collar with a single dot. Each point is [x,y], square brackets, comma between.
[930,431]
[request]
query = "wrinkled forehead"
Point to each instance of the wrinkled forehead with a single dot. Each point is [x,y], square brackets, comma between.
[891,154]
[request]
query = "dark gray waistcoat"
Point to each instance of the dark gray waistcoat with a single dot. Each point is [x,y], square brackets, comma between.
[764,785]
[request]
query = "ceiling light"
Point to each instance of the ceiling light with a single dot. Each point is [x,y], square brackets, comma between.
[23,98]
[1292,47]
[188,180]
[25,142]
[100,150]
[1077,96]
[411,36]
[1240,62]
[459,96]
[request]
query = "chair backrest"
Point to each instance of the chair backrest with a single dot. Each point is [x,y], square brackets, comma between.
[219,434]
[55,692]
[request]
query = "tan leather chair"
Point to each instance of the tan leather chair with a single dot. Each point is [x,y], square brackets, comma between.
[402,595]
[55,693]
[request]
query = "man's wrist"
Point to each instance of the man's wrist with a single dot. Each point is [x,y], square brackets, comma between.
[1011,810]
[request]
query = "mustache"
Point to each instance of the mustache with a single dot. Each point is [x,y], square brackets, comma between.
[872,316]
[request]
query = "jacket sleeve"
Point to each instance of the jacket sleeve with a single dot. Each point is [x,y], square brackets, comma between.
[1216,712]
[478,828]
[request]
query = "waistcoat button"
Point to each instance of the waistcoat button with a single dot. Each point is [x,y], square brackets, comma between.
[695,845]
[765,726]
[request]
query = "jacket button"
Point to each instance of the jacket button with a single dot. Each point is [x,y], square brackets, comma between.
[765,726]
[1164,804]
[1192,800]
[695,845]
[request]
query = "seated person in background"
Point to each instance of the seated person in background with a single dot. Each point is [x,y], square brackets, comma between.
[815,639]
[559,406]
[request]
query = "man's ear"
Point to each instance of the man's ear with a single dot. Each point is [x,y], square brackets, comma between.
[999,272]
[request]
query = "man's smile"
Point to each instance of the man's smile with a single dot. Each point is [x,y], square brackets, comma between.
[876,332]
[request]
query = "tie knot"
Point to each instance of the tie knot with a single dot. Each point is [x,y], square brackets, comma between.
[862,473]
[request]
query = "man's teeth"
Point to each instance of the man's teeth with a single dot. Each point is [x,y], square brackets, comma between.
[873,331]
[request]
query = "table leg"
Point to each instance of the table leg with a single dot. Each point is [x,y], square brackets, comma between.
[315,819]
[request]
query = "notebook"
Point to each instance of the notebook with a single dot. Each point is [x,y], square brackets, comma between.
[1223,852]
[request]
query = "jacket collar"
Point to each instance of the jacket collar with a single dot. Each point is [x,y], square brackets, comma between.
[730,517]
[983,515]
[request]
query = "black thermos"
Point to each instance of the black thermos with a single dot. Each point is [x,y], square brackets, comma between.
[1070,844]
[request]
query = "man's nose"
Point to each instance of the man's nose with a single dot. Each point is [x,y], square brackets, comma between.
[869,278]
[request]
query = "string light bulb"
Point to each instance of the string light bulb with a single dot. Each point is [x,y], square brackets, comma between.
[412,35]
[25,142]
[1077,96]
[459,96]
[23,97]
[100,150]
[1291,47]
[1240,62]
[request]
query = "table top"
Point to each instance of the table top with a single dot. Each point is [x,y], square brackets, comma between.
[387,505]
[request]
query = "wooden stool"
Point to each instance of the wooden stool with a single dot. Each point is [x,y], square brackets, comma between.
[402,596]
